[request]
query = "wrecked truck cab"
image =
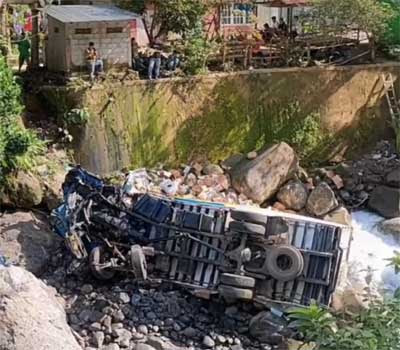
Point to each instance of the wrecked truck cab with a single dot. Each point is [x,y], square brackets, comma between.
[240,253]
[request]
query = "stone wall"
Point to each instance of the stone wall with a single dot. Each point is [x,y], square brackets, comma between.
[171,121]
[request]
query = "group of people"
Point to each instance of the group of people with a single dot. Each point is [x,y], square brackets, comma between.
[145,64]
[151,64]
[280,28]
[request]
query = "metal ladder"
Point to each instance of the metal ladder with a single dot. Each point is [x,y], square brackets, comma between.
[392,100]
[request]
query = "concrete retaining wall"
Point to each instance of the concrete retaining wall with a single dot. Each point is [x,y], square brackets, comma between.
[141,123]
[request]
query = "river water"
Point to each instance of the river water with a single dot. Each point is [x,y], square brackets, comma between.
[369,249]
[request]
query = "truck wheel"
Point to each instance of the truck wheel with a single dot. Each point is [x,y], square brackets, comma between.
[246,227]
[138,262]
[233,293]
[237,280]
[248,216]
[284,263]
[97,258]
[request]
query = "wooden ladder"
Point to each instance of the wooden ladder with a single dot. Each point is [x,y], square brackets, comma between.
[393,103]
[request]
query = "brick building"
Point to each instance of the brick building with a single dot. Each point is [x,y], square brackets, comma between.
[72,27]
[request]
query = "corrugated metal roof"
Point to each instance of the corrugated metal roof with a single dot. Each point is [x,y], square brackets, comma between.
[89,13]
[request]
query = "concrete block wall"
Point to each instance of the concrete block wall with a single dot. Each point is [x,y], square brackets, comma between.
[113,48]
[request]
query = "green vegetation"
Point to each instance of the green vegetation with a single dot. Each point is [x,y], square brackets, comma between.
[76,116]
[231,128]
[176,16]
[18,146]
[197,49]
[372,17]
[376,328]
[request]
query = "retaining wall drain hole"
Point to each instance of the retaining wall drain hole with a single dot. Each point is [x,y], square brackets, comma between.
[284,262]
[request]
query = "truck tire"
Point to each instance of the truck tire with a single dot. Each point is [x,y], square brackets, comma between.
[239,226]
[233,280]
[96,259]
[284,263]
[248,216]
[138,262]
[233,293]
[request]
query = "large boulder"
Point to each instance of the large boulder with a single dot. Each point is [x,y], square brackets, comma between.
[391,226]
[268,328]
[386,201]
[259,179]
[340,216]
[24,190]
[293,195]
[26,240]
[31,317]
[393,178]
[322,200]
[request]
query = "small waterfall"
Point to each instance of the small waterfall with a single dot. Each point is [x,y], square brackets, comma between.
[369,249]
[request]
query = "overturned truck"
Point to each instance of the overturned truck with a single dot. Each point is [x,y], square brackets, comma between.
[241,253]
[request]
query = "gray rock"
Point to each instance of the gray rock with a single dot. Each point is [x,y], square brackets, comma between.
[31,316]
[27,241]
[393,178]
[160,344]
[322,200]
[124,298]
[232,161]
[391,226]
[124,337]
[213,169]
[208,342]
[261,178]
[190,332]
[24,190]
[98,339]
[85,315]
[263,325]
[143,329]
[293,195]
[190,180]
[151,315]
[118,316]
[340,216]
[96,326]
[386,201]
[141,346]
[252,155]
[87,289]
[221,339]
[112,346]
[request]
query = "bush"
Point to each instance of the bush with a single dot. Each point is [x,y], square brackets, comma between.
[197,49]
[18,146]
[376,328]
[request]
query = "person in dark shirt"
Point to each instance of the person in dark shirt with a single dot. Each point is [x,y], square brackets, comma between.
[282,26]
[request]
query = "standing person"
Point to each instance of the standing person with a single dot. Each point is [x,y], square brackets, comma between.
[282,26]
[275,25]
[154,66]
[95,64]
[173,61]
[297,29]
[24,50]
[135,52]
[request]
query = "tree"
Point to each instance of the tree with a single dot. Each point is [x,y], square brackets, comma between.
[370,16]
[163,16]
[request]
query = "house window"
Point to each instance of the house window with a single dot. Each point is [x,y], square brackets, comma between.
[114,30]
[83,30]
[237,14]
[56,30]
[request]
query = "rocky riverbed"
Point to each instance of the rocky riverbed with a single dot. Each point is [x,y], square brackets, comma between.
[124,314]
